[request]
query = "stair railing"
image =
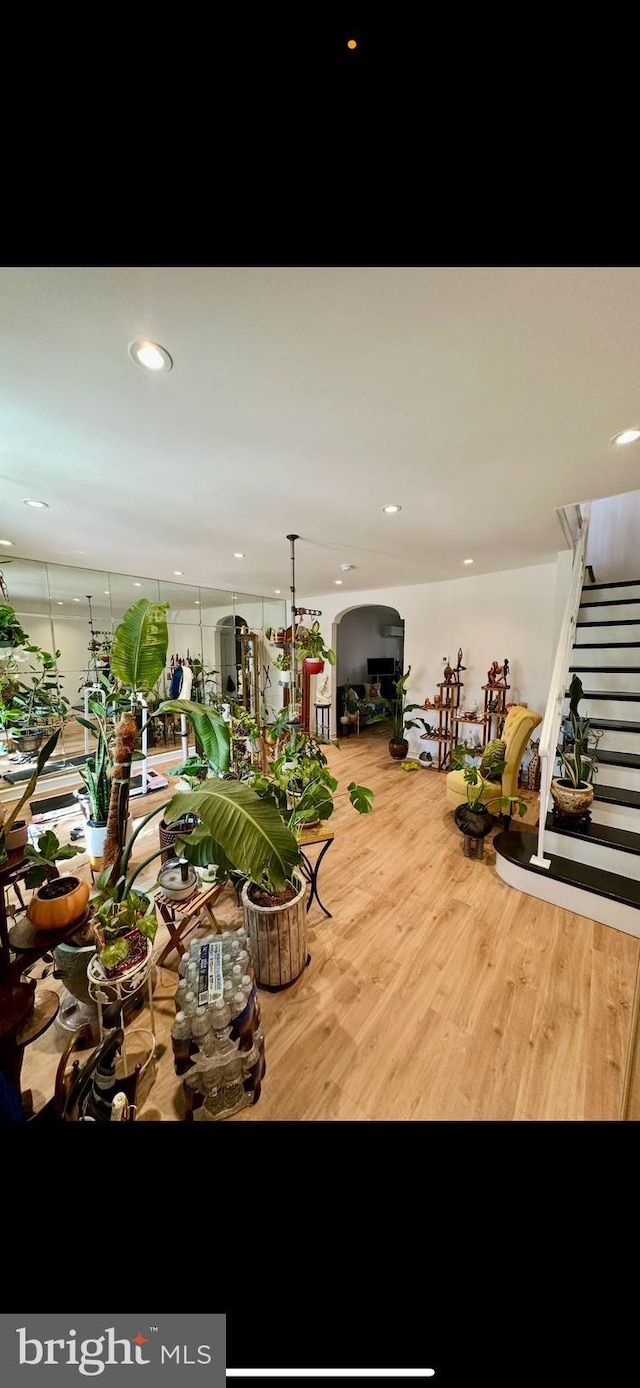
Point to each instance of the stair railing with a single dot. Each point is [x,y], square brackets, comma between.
[547,746]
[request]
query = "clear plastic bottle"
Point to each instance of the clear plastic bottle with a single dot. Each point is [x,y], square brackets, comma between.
[183,965]
[200,1025]
[190,1004]
[180,994]
[181,1042]
[242,958]
[238,1004]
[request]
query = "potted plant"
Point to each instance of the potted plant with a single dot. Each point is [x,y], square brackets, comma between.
[301,789]
[572,793]
[282,663]
[476,819]
[58,900]
[8,823]
[311,650]
[96,773]
[397,709]
[12,635]
[38,702]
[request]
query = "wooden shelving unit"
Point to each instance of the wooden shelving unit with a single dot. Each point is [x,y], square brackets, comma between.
[445,734]
[494,719]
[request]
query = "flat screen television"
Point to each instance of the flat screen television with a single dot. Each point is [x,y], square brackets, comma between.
[380,665]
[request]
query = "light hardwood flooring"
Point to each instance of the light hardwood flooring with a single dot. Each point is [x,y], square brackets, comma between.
[436,991]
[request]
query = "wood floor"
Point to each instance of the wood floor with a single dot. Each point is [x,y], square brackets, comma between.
[436,991]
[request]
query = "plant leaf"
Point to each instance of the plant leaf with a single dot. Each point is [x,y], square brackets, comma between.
[250,831]
[210,728]
[114,953]
[43,757]
[140,645]
[360,797]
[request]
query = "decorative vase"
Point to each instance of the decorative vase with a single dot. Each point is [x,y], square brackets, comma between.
[94,839]
[169,833]
[533,773]
[398,750]
[56,911]
[285,677]
[313,666]
[571,800]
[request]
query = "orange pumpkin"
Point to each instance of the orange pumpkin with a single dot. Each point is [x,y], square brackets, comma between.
[57,912]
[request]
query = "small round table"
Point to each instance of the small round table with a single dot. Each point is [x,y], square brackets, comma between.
[106,990]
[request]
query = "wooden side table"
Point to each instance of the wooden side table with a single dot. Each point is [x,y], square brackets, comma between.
[182,916]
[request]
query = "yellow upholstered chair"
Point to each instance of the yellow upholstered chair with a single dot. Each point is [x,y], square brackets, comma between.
[518,727]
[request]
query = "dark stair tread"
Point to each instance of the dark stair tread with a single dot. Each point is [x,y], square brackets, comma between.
[517,847]
[632,695]
[605,645]
[630,759]
[616,795]
[605,669]
[613,602]
[603,834]
[622,583]
[614,725]
[612,622]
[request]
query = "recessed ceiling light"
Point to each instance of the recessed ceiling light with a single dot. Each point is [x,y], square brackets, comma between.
[6,542]
[60,604]
[391,510]
[107,593]
[39,505]
[76,600]
[627,436]
[197,602]
[151,355]
[235,597]
[351,43]
[346,567]
[277,590]
[178,573]
[137,585]
[237,554]
[338,581]
[467,561]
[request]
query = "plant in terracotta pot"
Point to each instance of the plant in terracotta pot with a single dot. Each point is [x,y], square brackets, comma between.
[398,709]
[58,900]
[572,793]
[311,650]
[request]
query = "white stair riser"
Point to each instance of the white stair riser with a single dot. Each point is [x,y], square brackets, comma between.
[595,854]
[624,777]
[601,655]
[576,899]
[620,710]
[611,593]
[617,816]
[619,742]
[618,681]
[606,634]
[609,613]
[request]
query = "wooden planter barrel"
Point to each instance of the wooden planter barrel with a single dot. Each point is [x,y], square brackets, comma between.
[278,937]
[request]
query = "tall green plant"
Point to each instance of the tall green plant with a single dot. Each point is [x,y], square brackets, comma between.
[580,764]
[398,709]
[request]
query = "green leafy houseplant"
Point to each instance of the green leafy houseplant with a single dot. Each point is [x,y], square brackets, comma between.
[37,702]
[580,763]
[96,771]
[398,710]
[12,633]
[302,787]
[310,645]
[44,858]
[477,798]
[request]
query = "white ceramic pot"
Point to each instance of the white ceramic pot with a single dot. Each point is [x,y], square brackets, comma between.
[94,838]
[285,677]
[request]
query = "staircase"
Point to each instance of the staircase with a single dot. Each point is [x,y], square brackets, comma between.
[594,871]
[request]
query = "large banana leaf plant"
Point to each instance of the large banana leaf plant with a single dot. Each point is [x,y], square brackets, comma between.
[138,658]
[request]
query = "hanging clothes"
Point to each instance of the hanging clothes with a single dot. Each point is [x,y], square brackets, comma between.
[176,683]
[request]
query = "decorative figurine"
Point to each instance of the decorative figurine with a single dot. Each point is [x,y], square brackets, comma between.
[505,671]
[459,667]
[493,673]
[448,673]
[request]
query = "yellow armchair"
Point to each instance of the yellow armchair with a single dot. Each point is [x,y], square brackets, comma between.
[518,727]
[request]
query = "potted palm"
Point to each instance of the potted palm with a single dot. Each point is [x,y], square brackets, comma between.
[572,793]
[398,709]
[58,900]
[311,650]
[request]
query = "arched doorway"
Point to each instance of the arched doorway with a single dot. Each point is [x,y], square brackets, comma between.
[369,644]
[231,655]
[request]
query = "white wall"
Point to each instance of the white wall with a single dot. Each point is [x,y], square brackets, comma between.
[613,546]
[360,636]
[491,616]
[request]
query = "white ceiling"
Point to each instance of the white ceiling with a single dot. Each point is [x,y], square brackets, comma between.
[304,399]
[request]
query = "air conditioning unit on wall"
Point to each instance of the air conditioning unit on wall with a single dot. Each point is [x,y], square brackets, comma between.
[393,631]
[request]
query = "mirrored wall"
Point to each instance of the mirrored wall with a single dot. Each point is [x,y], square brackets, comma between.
[76,610]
